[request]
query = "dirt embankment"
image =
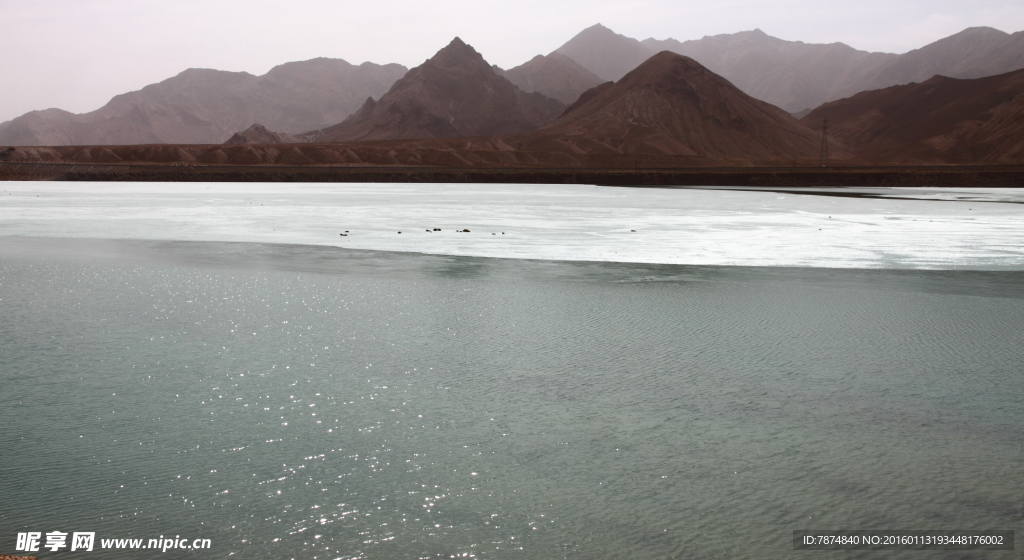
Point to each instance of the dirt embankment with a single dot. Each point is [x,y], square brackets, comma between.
[948,176]
[484,152]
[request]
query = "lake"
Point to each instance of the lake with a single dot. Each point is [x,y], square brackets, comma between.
[173,366]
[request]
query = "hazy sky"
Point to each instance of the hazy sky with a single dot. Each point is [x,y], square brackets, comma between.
[76,54]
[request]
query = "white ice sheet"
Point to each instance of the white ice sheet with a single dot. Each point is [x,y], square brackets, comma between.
[564,222]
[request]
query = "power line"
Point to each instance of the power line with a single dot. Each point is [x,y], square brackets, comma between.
[824,143]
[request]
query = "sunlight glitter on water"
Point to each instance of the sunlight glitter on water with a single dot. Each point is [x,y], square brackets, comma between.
[339,404]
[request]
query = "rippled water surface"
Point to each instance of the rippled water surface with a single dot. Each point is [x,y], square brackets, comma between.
[315,402]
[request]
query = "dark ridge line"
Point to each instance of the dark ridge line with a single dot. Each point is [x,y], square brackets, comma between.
[413,168]
[918,176]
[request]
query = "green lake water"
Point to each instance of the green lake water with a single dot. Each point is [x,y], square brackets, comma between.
[313,402]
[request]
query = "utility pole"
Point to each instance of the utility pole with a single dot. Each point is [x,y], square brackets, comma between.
[824,143]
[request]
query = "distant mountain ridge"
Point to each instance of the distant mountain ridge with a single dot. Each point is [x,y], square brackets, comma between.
[207,106]
[975,52]
[794,75]
[790,75]
[604,52]
[555,75]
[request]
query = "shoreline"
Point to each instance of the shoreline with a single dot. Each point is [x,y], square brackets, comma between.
[990,176]
[154,250]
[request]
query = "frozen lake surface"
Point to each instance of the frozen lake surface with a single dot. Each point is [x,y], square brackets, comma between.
[886,228]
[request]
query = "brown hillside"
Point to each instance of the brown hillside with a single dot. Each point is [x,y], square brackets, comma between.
[455,93]
[940,120]
[673,105]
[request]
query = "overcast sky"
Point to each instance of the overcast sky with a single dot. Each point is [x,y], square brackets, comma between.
[76,54]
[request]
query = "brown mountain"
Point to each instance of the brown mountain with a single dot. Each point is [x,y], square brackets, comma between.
[673,105]
[940,120]
[259,134]
[208,106]
[555,75]
[605,53]
[454,93]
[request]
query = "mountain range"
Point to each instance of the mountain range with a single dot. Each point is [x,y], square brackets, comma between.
[668,110]
[600,94]
[798,76]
